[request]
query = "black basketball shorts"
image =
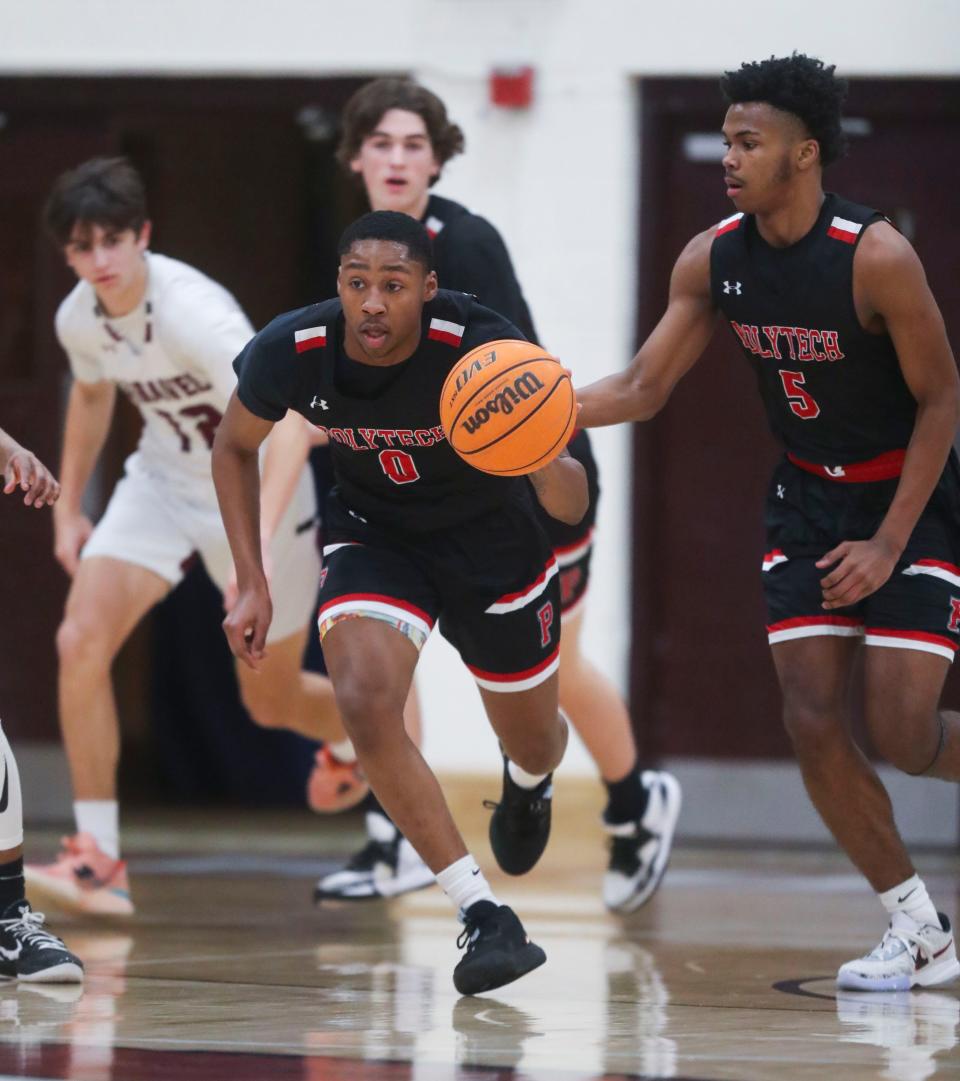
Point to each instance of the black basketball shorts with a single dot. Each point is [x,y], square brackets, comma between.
[490,584]
[917,608]
[573,544]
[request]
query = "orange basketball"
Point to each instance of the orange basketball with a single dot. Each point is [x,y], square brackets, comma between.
[508,407]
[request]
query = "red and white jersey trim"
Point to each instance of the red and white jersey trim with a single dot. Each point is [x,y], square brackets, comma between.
[434,225]
[572,553]
[813,627]
[377,605]
[518,681]
[513,602]
[772,559]
[947,572]
[920,640]
[310,338]
[847,231]
[442,330]
[729,224]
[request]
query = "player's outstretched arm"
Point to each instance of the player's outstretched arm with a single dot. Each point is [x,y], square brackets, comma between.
[236,475]
[674,346]
[891,292]
[89,412]
[561,488]
[22,468]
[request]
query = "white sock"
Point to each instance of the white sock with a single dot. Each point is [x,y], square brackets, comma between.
[11,817]
[521,778]
[343,751]
[464,884]
[912,899]
[101,819]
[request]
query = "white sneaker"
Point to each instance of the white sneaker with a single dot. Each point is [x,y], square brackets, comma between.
[640,851]
[387,866]
[909,955]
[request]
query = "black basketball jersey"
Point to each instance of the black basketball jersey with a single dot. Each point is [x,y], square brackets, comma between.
[834,394]
[471,257]
[391,460]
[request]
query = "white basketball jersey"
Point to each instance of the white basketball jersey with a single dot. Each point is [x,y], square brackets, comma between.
[172,356]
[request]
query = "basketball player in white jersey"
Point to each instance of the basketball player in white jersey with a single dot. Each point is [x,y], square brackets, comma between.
[27,951]
[165,335]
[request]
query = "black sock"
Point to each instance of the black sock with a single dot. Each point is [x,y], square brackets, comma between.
[11,883]
[626,799]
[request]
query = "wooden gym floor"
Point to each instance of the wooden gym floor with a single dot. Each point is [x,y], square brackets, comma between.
[228,971]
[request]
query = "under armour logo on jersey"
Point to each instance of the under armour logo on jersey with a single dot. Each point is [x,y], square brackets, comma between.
[781,491]
[733,287]
[317,401]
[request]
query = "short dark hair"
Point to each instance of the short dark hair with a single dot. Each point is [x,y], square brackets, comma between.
[102,191]
[800,85]
[393,226]
[366,108]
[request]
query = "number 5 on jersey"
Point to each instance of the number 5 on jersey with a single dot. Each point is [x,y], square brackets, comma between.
[800,401]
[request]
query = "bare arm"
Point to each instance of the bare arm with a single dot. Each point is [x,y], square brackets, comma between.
[673,347]
[891,292]
[89,412]
[236,475]
[287,450]
[22,467]
[561,488]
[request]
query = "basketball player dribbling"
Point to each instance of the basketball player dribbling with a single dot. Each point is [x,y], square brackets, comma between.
[414,536]
[166,335]
[830,305]
[27,952]
[396,139]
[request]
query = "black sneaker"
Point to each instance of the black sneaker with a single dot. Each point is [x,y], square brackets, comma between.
[520,825]
[387,866]
[29,953]
[498,950]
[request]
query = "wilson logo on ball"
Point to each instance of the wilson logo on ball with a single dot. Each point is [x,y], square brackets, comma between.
[505,401]
[508,408]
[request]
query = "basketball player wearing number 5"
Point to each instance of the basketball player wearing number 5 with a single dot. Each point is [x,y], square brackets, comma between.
[830,305]
[414,537]
[165,335]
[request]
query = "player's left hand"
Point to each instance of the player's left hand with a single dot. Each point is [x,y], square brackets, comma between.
[859,569]
[25,470]
[246,626]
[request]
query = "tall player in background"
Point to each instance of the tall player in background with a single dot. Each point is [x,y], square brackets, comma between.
[396,140]
[831,307]
[166,335]
[27,952]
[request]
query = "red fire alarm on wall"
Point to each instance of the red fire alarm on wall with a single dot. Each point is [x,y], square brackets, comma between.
[512,87]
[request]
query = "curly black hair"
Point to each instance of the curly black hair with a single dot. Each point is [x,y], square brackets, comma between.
[800,85]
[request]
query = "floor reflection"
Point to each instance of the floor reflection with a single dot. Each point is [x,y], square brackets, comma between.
[913,1027]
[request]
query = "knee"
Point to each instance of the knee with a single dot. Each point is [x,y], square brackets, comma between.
[907,742]
[812,724]
[80,646]
[369,708]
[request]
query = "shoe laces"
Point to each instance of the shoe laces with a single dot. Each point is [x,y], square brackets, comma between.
[28,927]
[470,934]
[625,850]
[895,940]
[525,808]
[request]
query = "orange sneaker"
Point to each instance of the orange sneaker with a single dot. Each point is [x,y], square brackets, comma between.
[83,878]
[334,785]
